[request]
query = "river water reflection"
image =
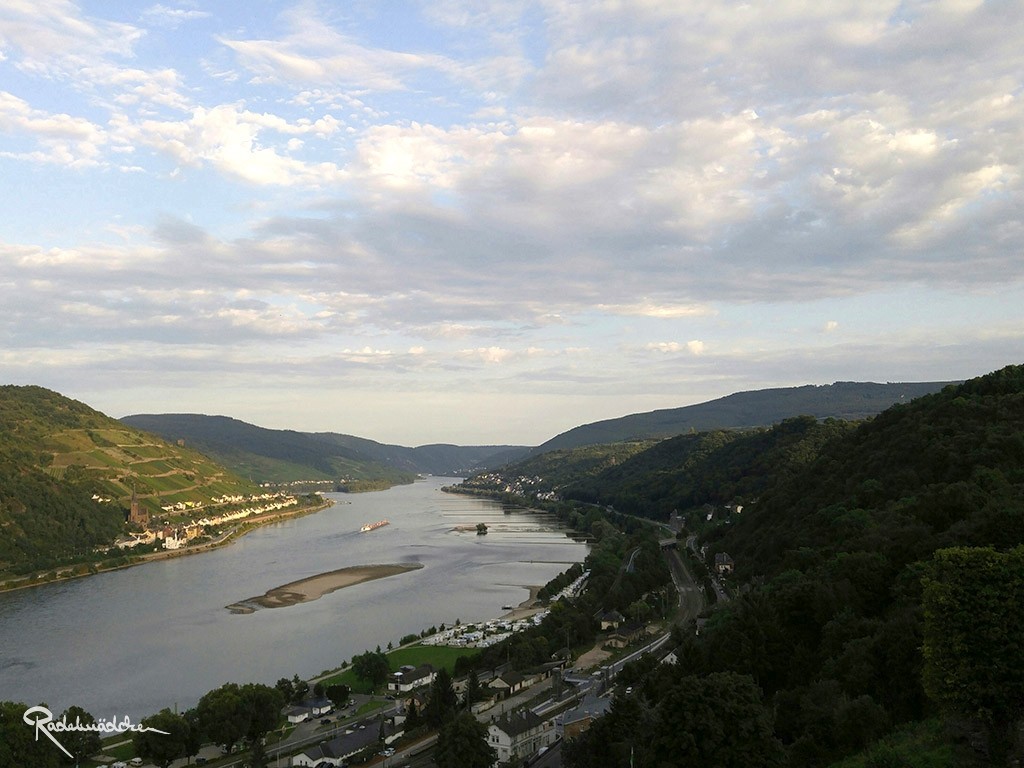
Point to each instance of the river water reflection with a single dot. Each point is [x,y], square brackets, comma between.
[159,635]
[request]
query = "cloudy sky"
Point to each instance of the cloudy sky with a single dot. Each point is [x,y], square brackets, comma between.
[488,221]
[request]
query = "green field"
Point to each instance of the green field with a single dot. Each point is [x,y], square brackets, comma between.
[440,657]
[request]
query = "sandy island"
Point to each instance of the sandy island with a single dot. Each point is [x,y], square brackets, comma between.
[315,587]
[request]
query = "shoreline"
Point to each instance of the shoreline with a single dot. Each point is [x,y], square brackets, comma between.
[314,587]
[66,573]
[527,608]
[523,610]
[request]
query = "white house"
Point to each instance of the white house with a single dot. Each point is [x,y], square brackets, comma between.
[318,707]
[409,678]
[519,735]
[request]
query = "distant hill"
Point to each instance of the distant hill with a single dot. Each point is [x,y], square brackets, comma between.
[273,455]
[760,408]
[67,473]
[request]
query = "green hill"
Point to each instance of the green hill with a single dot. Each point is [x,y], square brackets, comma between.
[652,478]
[824,634]
[67,473]
[284,456]
[846,400]
[715,468]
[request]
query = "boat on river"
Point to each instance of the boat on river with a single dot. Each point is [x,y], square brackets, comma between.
[373,526]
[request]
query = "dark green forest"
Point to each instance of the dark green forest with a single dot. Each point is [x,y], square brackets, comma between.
[842,556]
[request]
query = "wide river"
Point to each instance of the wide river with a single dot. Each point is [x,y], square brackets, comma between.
[133,641]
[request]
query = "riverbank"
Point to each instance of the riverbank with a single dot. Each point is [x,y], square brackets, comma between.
[82,570]
[315,587]
[527,608]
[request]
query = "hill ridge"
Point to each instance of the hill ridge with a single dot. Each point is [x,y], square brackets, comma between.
[848,400]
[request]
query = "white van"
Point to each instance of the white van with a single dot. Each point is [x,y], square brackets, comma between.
[136,761]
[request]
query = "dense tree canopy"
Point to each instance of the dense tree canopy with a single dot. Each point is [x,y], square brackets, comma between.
[167,746]
[18,743]
[462,743]
[974,642]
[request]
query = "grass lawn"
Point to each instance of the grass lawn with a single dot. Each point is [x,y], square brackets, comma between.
[440,657]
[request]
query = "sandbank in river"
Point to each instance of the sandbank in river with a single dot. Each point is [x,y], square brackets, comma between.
[315,587]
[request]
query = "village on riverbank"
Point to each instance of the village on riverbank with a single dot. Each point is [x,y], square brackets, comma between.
[525,692]
[159,540]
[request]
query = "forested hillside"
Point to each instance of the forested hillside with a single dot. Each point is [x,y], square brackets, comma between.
[717,468]
[821,653]
[946,469]
[67,473]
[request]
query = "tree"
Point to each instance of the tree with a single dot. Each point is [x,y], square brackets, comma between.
[372,667]
[443,700]
[973,656]
[338,694]
[162,748]
[222,715]
[195,732]
[412,717]
[300,689]
[257,755]
[473,691]
[18,742]
[284,685]
[262,706]
[724,723]
[80,744]
[462,743]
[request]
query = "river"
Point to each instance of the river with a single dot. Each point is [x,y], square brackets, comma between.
[133,641]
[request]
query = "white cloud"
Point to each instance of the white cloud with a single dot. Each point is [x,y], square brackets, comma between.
[648,308]
[61,139]
[314,53]
[495,355]
[52,36]
[694,347]
[230,140]
[166,16]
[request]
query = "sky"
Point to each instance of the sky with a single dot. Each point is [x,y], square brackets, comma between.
[487,222]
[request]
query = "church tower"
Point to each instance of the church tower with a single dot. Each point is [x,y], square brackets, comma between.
[136,513]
